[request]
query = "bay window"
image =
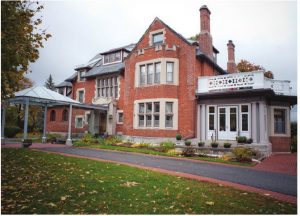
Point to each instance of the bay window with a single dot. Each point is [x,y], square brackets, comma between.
[108,87]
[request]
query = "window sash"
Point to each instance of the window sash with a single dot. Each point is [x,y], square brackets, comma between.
[157,38]
[142,75]
[170,72]
[150,73]
[157,72]
[279,121]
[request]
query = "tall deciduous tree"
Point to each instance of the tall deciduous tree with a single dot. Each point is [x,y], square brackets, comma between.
[49,84]
[245,66]
[21,37]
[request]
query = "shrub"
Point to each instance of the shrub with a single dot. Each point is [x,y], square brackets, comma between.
[144,145]
[250,140]
[294,144]
[178,137]
[89,139]
[243,154]
[187,143]
[241,139]
[173,152]
[201,144]
[214,144]
[11,131]
[166,146]
[112,140]
[188,152]
[80,143]
[227,145]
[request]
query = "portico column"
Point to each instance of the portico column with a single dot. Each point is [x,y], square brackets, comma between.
[26,119]
[263,123]
[44,138]
[69,140]
[3,123]
[202,123]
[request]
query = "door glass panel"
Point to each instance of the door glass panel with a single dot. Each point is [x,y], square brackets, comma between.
[211,122]
[244,122]
[222,122]
[233,125]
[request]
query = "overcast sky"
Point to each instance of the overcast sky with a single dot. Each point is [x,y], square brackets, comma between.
[264,33]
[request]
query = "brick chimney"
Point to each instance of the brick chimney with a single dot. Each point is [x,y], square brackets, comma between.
[231,66]
[205,38]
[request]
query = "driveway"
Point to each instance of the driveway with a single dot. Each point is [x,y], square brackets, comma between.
[266,180]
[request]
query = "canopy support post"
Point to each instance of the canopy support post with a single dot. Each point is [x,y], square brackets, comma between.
[26,120]
[3,123]
[69,140]
[44,138]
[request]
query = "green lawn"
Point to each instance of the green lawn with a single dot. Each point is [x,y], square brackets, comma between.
[36,182]
[149,151]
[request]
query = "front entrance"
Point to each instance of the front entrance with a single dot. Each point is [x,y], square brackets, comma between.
[227,122]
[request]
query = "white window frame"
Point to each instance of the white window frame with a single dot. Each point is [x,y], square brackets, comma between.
[118,113]
[162,113]
[152,33]
[76,121]
[77,94]
[287,122]
[112,62]
[162,74]
[240,122]
[79,79]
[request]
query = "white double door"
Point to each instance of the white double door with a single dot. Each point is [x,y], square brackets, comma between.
[227,122]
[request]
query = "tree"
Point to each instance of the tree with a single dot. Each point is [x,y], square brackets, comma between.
[245,66]
[49,84]
[21,37]
[195,37]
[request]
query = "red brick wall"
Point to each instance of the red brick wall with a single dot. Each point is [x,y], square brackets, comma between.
[189,69]
[62,126]
[280,144]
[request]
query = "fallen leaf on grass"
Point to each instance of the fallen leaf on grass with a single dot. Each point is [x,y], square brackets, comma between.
[130,184]
[210,203]
[51,204]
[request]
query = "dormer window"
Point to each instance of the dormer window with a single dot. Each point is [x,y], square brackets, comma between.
[112,58]
[157,38]
[81,76]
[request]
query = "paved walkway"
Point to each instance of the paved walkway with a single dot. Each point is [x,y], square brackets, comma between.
[283,163]
[271,181]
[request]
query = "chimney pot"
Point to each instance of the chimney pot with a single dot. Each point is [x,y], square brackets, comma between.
[205,38]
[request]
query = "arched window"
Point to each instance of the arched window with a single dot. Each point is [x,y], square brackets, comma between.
[64,116]
[52,115]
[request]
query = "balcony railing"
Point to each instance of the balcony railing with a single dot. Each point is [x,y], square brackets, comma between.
[251,80]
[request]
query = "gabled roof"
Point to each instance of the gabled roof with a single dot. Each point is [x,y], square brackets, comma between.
[172,30]
[63,84]
[41,93]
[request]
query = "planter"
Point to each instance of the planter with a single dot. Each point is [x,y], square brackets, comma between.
[187,143]
[201,144]
[178,137]
[214,145]
[27,142]
[227,145]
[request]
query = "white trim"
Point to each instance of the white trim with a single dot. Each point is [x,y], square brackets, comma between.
[163,30]
[77,117]
[77,94]
[162,113]
[118,112]
[78,76]
[241,132]
[287,121]
[85,116]
[114,62]
[163,72]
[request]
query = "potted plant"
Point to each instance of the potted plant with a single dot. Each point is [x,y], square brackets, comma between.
[201,144]
[27,142]
[214,145]
[241,139]
[227,145]
[187,143]
[178,137]
[250,140]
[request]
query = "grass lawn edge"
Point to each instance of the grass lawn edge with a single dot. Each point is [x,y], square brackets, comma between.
[275,195]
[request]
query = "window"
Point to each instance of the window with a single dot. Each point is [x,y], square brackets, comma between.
[120,117]
[170,72]
[157,38]
[157,73]
[233,119]
[279,121]
[61,91]
[112,57]
[169,114]
[64,116]
[80,96]
[150,73]
[222,119]
[245,117]
[52,115]
[79,122]
[81,76]
[150,113]
[108,87]
[211,118]
[142,75]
